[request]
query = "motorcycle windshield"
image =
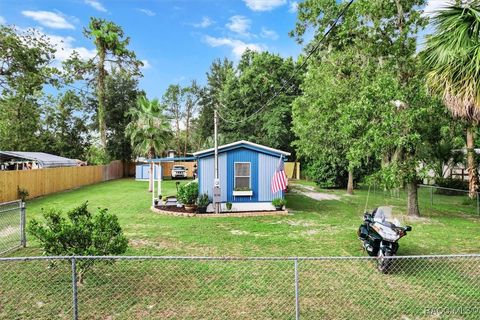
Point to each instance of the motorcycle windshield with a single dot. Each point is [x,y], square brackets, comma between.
[384,214]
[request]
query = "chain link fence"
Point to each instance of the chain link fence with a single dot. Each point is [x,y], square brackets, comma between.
[12,226]
[416,287]
[450,199]
[429,197]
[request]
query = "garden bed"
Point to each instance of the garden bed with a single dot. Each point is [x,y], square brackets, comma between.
[175,211]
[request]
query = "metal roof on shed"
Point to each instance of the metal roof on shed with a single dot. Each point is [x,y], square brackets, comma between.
[242,144]
[45,160]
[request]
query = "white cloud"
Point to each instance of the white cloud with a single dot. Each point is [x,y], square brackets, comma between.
[149,13]
[270,34]
[146,64]
[96,5]
[206,22]
[65,46]
[49,19]
[293,7]
[2,20]
[264,5]
[238,47]
[239,24]
[434,6]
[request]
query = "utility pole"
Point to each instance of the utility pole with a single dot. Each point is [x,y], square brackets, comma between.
[216,182]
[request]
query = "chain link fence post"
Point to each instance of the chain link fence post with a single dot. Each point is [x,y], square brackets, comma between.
[74,289]
[23,237]
[297,292]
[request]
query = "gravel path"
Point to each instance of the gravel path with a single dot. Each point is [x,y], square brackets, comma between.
[311,193]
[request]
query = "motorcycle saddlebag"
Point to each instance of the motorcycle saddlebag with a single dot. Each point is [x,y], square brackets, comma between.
[363,232]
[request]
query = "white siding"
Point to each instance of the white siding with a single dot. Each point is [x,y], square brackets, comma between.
[207,174]
[222,172]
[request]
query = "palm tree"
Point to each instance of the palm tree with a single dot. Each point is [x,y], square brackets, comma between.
[149,130]
[452,56]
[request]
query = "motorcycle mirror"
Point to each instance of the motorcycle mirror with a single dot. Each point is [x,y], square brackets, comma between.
[408,228]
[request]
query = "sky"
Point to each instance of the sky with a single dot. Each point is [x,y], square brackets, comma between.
[176,39]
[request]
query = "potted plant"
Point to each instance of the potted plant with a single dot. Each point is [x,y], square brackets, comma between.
[278,203]
[158,201]
[229,206]
[203,201]
[188,194]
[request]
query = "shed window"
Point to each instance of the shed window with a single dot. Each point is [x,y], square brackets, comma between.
[242,175]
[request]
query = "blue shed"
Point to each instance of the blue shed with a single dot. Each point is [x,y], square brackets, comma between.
[245,172]
[142,171]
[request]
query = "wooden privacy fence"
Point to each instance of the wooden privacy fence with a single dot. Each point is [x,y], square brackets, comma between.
[41,182]
[292,170]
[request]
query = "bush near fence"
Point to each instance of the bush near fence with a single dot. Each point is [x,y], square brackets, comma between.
[40,182]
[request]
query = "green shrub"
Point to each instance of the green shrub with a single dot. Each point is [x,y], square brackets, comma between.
[279,202]
[188,193]
[80,233]
[203,201]
[452,184]
[97,156]
[22,193]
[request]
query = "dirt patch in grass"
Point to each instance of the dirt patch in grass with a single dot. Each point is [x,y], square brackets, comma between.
[297,223]
[311,232]
[159,244]
[239,232]
[310,192]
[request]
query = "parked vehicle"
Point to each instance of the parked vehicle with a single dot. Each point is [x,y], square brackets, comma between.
[379,234]
[179,172]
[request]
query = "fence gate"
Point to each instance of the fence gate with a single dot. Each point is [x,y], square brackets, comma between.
[12,226]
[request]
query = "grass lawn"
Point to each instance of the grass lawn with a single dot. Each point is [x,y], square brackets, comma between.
[253,289]
[315,228]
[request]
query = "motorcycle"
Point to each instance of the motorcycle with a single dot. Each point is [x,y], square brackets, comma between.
[379,234]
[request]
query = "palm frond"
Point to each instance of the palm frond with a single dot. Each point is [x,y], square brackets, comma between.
[150,130]
[452,56]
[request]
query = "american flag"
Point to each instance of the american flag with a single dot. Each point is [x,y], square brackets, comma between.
[279,179]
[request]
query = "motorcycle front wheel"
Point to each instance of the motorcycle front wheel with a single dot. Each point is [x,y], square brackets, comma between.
[383,262]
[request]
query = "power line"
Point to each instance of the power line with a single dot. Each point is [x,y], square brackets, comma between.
[315,48]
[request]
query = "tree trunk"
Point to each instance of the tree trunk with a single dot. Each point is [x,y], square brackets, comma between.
[412,199]
[471,163]
[150,178]
[101,98]
[187,127]
[151,154]
[350,182]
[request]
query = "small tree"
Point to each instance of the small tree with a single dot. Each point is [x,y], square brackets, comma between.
[149,131]
[81,233]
